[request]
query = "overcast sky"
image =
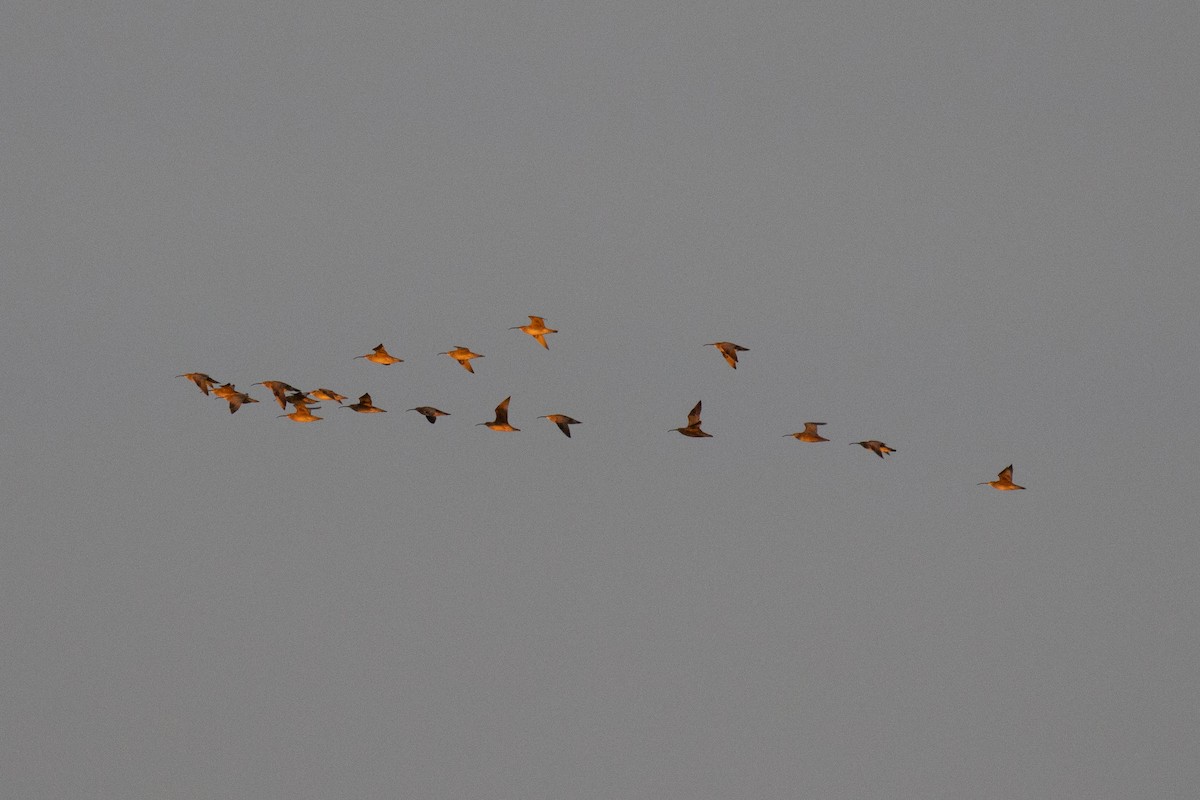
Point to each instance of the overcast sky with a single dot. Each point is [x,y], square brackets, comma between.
[966,229]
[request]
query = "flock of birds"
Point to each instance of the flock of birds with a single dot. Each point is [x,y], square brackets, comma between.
[304,403]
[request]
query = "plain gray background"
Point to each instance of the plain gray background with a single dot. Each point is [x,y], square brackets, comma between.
[967,229]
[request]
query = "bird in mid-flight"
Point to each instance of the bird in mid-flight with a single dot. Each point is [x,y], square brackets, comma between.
[875,446]
[537,329]
[693,426]
[729,350]
[1004,481]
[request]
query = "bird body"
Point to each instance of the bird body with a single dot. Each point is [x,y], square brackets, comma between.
[1004,481]
[693,426]
[875,446]
[326,394]
[537,329]
[729,350]
[302,414]
[381,356]
[500,423]
[462,355]
[809,434]
[365,406]
[562,421]
[237,399]
[200,379]
[430,413]
[280,390]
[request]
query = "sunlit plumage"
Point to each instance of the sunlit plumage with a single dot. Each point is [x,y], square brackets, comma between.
[809,434]
[875,446]
[237,399]
[537,329]
[327,394]
[430,413]
[302,414]
[462,355]
[729,350]
[1004,481]
[500,423]
[693,426]
[381,356]
[280,390]
[200,379]
[562,421]
[364,406]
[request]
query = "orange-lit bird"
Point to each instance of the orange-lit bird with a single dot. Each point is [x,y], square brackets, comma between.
[462,355]
[562,421]
[302,414]
[729,350]
[537,329]
[327,394]
[200,379]
[280,390]
[693,426]
[430,413]
[1004,481]
[236,399]
[364,406]
[875,446]
[809,434]
[500,423]
[381,356]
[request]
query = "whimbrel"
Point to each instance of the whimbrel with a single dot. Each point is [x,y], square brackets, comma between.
[298,399]
[365,406]
[729,350]
[302,414]
[462,355]
[381,356]
[326,394]
[236,400]
[430,413]
[537,329]
[693,426]
[562,421]
[200,379]
[809,434]
[280,390]
[500,423]
[1004,481]
[875,446]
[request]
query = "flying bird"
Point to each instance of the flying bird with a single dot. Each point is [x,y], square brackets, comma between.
[462,355]
[875,446]
[809,434]
[562,421]
[430,413]
[537,329]
[200,379]
[381,356]
[280,390]
[302,414]
[1004,481]
[729,350]
[500,423]
[326,394]
[236,399]
[693,426]
[365,406]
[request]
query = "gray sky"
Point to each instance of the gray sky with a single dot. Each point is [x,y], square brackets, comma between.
[966,229]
